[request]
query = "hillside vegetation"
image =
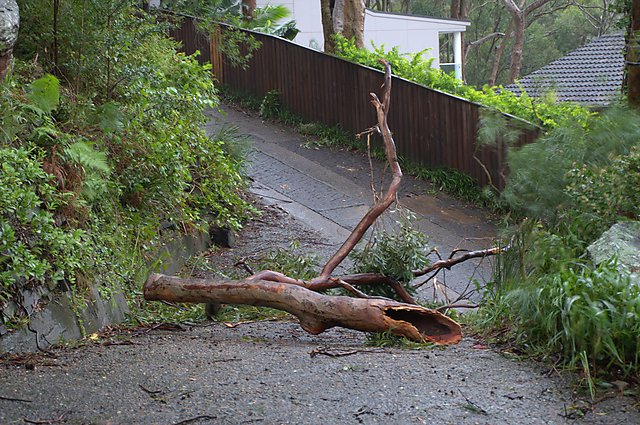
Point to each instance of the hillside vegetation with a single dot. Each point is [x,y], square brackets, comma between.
[101,147]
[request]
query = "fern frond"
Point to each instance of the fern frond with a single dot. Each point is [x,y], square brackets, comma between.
[84,154]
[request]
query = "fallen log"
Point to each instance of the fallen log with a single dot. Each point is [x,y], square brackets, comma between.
[316,312]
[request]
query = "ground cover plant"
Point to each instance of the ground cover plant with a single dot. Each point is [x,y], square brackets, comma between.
[103,152]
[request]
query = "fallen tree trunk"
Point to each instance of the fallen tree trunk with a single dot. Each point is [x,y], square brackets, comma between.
[315,311]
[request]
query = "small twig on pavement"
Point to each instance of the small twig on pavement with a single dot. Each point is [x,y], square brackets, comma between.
[60,419]
[326,351]
[15,399]
[164,326]
[197,418]
[233,359]
[331,353]
[473,406]
[149,391]
[124,342]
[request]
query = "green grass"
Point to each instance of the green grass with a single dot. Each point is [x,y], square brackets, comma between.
[389,340]
[581,316]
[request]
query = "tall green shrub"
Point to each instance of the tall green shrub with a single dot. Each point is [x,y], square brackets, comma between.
[539,172]
[548,295]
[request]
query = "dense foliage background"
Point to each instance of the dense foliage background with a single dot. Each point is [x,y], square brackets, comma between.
[544,112]
[549,295]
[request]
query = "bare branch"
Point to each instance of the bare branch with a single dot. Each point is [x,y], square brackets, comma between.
[379,207]
[484,39]
[534,6]
[386,87]
[448,263]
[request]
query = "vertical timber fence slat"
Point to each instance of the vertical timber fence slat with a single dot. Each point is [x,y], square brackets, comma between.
[430,128]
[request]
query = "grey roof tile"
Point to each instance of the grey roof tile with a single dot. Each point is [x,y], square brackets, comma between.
[590,75]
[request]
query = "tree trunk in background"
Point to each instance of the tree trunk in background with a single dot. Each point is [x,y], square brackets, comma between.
[633,57]
[518,47]
[9,24]
[353,20]
[344,17]
[497,57]
[248,7]
[459,9]
[326,9]
[517,26]
[337,14]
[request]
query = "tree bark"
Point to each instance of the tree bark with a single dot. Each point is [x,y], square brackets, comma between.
[633,57]
[9,25]
[353,20]
[326,9]
[517,27]
[480,41]
[248,7]
[497,57]
[344,17]
[315,311]
[518,48]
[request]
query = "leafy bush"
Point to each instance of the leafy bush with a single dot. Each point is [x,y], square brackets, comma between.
[393,253]
[291,262]
[270,106]
[414,68]
[96,167]
[539,172]
[33,249]
[578,312]
[598,197]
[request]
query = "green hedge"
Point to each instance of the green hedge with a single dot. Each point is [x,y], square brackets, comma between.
[545,112]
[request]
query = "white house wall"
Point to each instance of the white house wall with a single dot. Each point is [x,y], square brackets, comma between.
[410,36]
[308,20]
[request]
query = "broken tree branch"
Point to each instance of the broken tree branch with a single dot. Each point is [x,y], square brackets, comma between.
[449,262]
[379,207]
[315,311]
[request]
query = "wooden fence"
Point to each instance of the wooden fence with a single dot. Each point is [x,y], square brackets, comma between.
[430,128]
